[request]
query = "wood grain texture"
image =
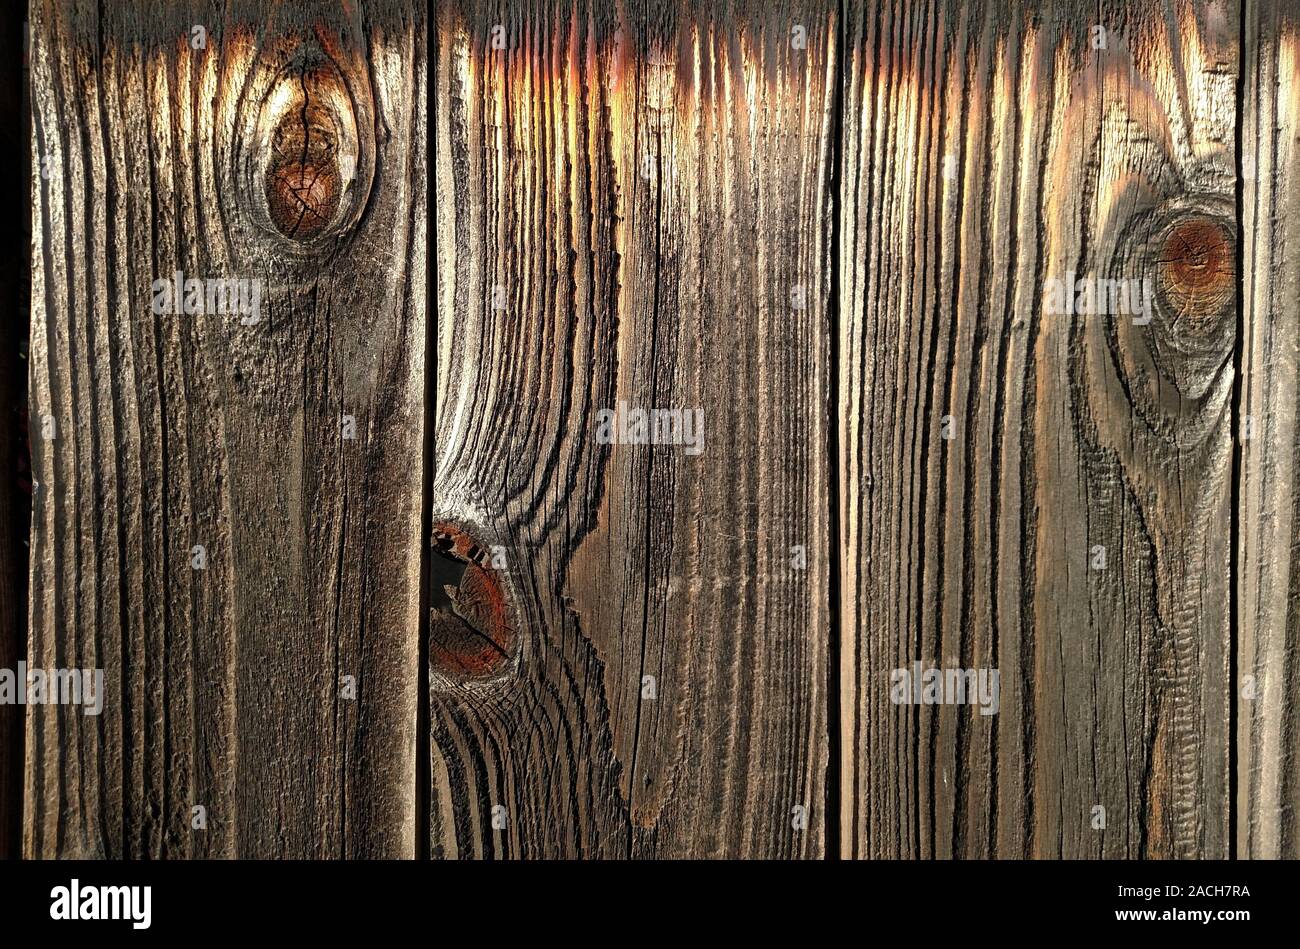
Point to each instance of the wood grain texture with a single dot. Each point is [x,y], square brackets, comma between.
[226,685]
[1268,717]
[647,186]
[989,149]
[15,508]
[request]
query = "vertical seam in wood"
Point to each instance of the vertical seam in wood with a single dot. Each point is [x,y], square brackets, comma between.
[834,717]
[1238,446]
[423,742]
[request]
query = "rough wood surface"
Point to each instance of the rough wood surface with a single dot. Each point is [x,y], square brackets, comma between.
[1268,716]
[226,687]
[831,229]
[14,500]
[988,149]
[645,188]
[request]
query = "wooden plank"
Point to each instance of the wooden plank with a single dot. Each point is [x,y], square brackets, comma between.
[227,687]
[636,211]
[1268,715]
[989,150]
[15,507]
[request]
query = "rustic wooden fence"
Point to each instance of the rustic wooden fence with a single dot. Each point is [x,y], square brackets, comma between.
[377,563]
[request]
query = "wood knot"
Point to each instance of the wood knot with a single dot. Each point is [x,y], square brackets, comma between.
[1197,268]
[470,632]
[308,149]
[303,181]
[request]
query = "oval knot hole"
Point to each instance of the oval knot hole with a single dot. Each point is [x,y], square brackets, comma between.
[1197,269]
[470,635]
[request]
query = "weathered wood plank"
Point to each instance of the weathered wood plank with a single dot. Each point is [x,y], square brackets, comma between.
[1268,715]
[634,210]
[227,687]
[15,510]
[993,450]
